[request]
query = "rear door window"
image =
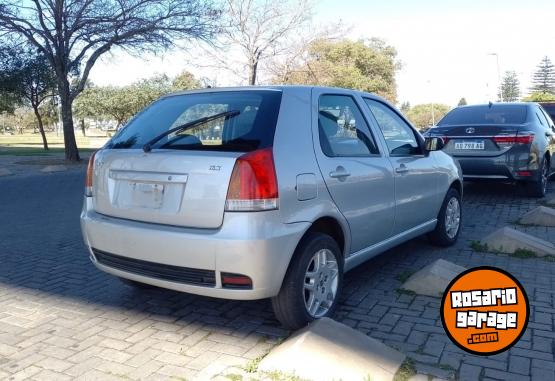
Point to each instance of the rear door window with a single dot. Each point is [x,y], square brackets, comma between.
[342,128]
[253,128]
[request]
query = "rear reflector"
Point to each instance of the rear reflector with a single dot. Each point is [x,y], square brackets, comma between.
[90,173]
[524,173]
[253,184]
[230,280]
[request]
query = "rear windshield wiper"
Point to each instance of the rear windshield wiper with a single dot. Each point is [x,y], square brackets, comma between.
[227,114]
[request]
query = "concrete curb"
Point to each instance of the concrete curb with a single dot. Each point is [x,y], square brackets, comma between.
[508,240]
[541,215]
[433,279]
[5,172]
[54,168]
[328,350]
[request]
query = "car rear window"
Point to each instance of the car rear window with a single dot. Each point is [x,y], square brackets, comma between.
[253,128]
[484,114]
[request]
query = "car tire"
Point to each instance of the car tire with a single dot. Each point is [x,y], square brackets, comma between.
[538,188]
[135,284]
[449,220]
[309,284]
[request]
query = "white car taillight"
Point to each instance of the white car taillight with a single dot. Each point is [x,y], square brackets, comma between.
[253,185]
[90,173]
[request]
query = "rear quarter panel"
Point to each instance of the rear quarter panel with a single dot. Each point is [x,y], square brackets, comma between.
[295,159]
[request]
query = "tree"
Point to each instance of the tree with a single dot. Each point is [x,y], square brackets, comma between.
[421,115]
[185,81]
[509,88]
[121,103]
[254,31]
[31,80]
[405,107]
[72,35]
[366,65]
[462,102]
[539,97]
[543,79]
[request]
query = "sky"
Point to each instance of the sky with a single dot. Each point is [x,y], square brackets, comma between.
[445,46]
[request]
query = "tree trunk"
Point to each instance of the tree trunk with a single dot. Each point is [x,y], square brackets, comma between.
[41,127]
[252,76]
[71,151]
[82,122]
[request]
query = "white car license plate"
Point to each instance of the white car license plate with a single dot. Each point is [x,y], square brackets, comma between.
[469,145]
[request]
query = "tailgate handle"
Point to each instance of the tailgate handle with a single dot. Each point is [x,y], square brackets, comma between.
[157,177]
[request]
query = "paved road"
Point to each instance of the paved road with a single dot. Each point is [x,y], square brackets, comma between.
[60,318]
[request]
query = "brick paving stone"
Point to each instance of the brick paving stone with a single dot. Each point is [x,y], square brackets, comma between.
[57,309]
[520,365]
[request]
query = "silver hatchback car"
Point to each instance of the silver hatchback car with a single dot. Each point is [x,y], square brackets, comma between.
[265,192]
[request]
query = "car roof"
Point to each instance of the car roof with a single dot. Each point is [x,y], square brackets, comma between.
[292,89]
[499,104]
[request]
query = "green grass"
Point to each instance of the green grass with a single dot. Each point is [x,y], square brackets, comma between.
[479,247]
[404,276]
[234,377]
[405,371]
[402,291]
[252,365]
[38,151]
[524,253]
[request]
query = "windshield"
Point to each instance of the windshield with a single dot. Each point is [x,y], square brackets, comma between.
[252,129]
[484,114]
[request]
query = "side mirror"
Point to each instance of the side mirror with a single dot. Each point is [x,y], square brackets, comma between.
[434,144]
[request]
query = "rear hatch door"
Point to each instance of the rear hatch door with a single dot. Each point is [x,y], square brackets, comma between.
[166,187]
[475,140]
[183,180]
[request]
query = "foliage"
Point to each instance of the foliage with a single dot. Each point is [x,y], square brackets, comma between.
[539,97]
[27,75]
[462,102]
[185,81]
[421,115]
[543,79]
[366,65]
[121,103]
[509,90]
[406,371]
[73,35]
[405,107]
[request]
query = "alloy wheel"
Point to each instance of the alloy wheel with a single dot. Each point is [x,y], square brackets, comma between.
[321,283]
[452,217]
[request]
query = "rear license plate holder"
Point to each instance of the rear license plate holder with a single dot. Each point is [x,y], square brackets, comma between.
[470,145]
[148,195]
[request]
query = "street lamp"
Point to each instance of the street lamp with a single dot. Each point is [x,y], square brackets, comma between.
[498,75]
[433,112]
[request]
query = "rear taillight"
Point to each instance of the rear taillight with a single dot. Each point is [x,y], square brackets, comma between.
[89,178]
[253,184]
[445,139]
[509,140]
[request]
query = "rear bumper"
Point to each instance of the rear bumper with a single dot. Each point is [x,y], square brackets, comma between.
[257,245]
[502,168]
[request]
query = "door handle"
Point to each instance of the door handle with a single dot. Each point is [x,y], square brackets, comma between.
[339,173]
[402,169]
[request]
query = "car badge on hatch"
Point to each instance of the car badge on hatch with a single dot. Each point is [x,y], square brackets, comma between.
[470,130]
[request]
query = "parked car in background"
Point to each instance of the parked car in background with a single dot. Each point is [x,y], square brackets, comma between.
[296,186]
[549,108]
[501,141]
